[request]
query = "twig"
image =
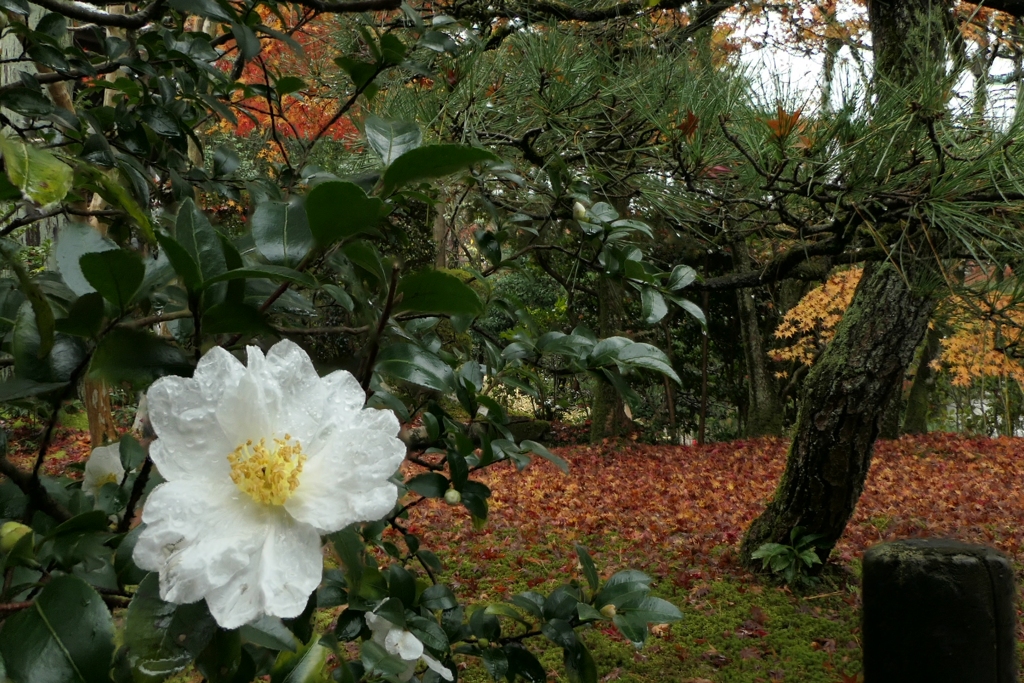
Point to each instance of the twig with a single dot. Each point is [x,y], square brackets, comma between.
[7,607]
[824,595]
[371,356]
[154,319]
[341,329]
[137,488]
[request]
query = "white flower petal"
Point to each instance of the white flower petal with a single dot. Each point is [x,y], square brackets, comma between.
[103,465]
[404,644]
[191,443]
[346,481]
[437,666]
[278,580]
[250,410]
[197,537]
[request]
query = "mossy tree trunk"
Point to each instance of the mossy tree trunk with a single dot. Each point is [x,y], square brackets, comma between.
[842,406]
[844,399]
[764,411]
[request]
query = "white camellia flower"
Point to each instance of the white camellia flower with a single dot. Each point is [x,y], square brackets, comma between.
[102,467]
[404,645]
[259,461]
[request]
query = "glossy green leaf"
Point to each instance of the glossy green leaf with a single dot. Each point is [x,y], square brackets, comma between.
[18,388]
[40,175]
[432,161]
[182,262]
[192,230]
[412,364]
[235,318]
[428,484]
[653,611]
[589,568]
[76,240]
[66,635]
[85,317]
[281,232]
[434,291]
[45,324]
[270,632]
[579,664]
[539,449]
[638,355]
[337,210]
[163,638]
[438,596]
[392,139]
[633,628]
[272,273]
[653,305]
[680,277]
[137,358]
[115,274]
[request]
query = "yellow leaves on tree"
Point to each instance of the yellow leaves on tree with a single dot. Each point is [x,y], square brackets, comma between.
[984,339]
[811,324]
[987,338]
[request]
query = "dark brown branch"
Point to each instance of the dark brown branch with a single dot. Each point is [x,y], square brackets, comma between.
[83,13]
[371,356]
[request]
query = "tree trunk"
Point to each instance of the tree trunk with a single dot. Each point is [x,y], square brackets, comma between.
[846,393]
[842,406]
[915,421]
[764,412]
[97,408]
[607,417]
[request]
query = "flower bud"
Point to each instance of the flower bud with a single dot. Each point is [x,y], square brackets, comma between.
[579,212]
[483,642]
[452,497]
[10,534]
[608,611]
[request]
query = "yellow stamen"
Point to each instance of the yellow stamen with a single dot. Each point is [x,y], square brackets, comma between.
[268,474]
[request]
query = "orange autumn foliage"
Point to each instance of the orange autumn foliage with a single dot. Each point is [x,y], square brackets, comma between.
[811,324]
[985,331]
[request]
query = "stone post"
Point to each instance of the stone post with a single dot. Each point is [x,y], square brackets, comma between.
[938,611]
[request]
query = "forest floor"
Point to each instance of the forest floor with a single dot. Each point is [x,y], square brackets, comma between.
[678,513]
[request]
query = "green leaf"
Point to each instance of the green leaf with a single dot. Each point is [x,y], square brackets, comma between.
[115,274]
[116,194]
[310,667]
[17,388]
[376,659]
[337,210]
[432,161]
[131,451]
[496,662]
[438,596]
[192,230]
[632,627]
[26,101]
[45,325]
[270,632]
[204,8]
[401,584]
[235,318]
[588,613]
[680,277]
[522,662]
[85,317]
[137,358]
[638,355]
[589,568]
[57,366]
[288,84]
[579,664]
[163,638]
[534,447]
[281,232]
[67,635]
[433,291]
[273,273]
[691,308]
[182,262]
[412,364]
[428,484]
[503,610]
[392,139]
[76,240]
[40,175]
[654,611]
[653,304]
